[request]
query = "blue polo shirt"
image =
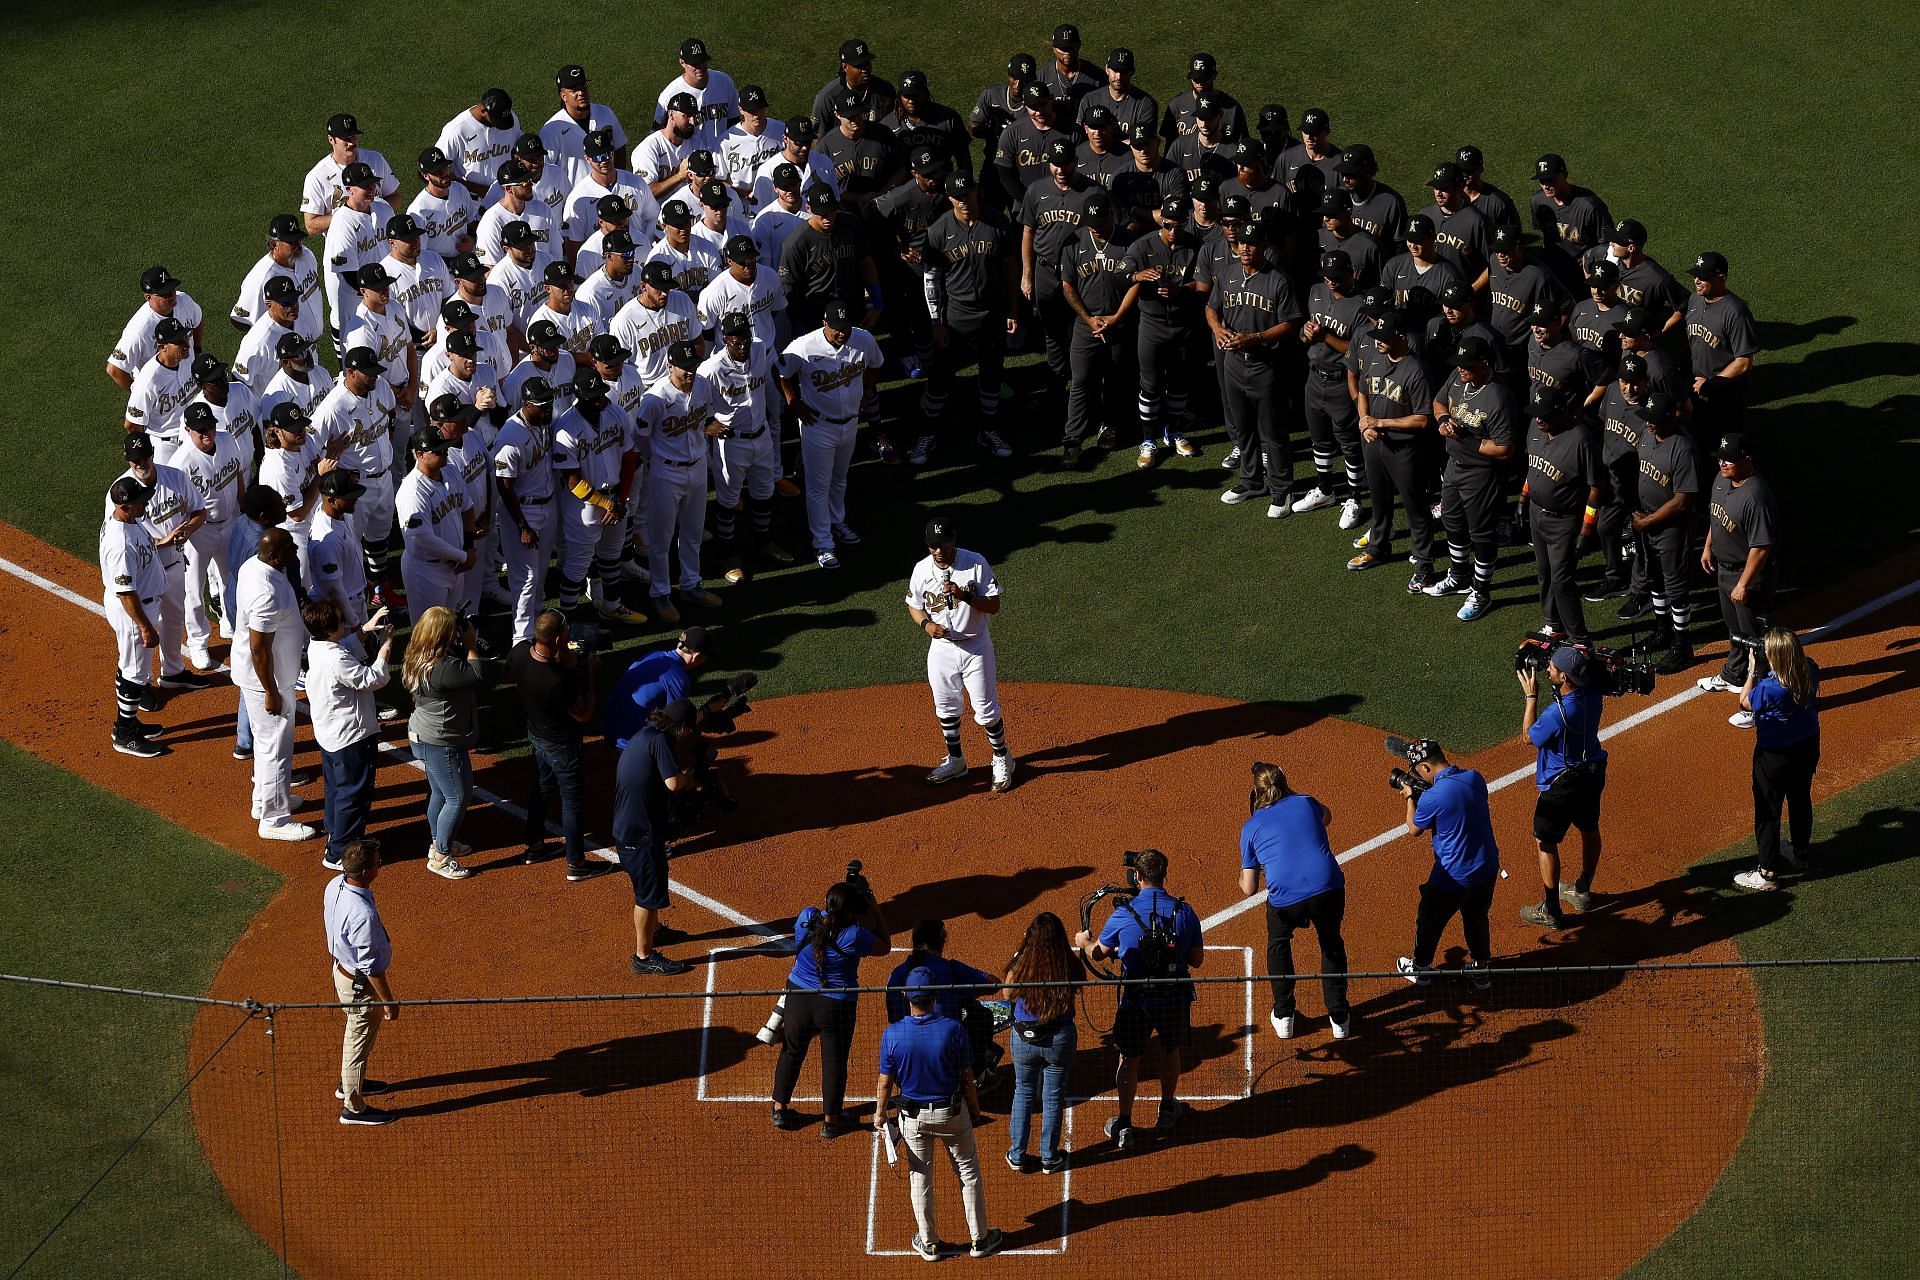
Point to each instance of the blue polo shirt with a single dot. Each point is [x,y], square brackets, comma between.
[1779,721]
[1566,732]
[640,788]
[946,973]
[1288,841]
[925,1054]
[1455,809]
[844,952]
[648,685]
[1123,934]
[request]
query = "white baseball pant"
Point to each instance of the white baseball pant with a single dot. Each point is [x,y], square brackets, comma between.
[206,576]
[752,465]
[272,752]
[676,498]
[586,545]
[171,612]
[373,513]
[134,659]
[826,451]
[953,670]
[527,566]
[428,583]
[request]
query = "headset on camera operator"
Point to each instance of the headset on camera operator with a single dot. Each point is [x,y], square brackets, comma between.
[1451,802]
[961,1003]
[1570,773]
[1285,839]
[1154,935]
[829,943]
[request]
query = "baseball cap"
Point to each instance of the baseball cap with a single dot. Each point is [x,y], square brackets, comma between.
[372,276]
[1120,60]
[1542,400]
[676,213]
[1603,275]
[498,103]
[850,103]
[1447,177]
[839,314]
[401,226]
[571,76]
[1470,159]
[126,491]
[1236,207]
[741,248]
[1633,367]
[1099,117]
[433,160]
[359,174]
[607,350]
[199,416]
[536,390]
[679,711]
[693,51]
[736,324]
[702,163]
[1658,407]
[158,280]
[1506,239]
[1571,663]
[1335,264]
[803,129]
[617,241]
[170,331]
[514,173]
[856,53]
[1472,349]
[1548,166]
[1419,229]
[1035,96]
[288,416]
[683,103]
[559,274]
[1732,447]
[612,208]
[449,407]
[341,482]
[1544,313]
[1066,36]
[367,360]
[286,226]
[1334,202]
[544,333]
[657,274]
[466,266]
[1637,322]
[1315,121]
[1376,300]
[137,447]
[913,84]
[786,176]
[463,342]
[715,194]
[1202,66]
[1205,188]
[1097,207]
[427,440]
[1256,232]
[1175,208]
[1355,161]
[1060,151]
[1272,117]
[1247,153]
[1140,135]
[597,143]
[280,289]
[1021,66]
[753,98]
[1207,106]
[343,125]
[684,355]
[961,185]
[588,385]
[1390,324]
[1456,295]
[919,984]
[528,148]
[927,160]
[1628,231]
[695,640]
[457,313]
[1708,266]
[291,346]
[208,367]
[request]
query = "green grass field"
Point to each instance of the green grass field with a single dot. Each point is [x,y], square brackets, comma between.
[171,135]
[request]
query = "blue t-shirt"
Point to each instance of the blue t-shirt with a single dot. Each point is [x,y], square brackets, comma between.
[1123,933]
[843,956]
[925,1054]
[648,685]
[640,788]
[1567,732]
[946,973]
[1779,721]
[1455,809]
[1288,841]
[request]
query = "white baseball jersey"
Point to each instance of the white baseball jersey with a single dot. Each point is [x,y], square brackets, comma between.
[419,288]
[429,512]
[566,138]
[447,382]
[264,602]
[258,358]
[523,286]
[602,297]
[354,239]
[741,155]
[512,387]
[648,332]
[135,347]
[337,564]
[388,336]
[550,187]
[739,387]
[579,218]
[251,306]
[472,462]
[659,155]
[174,500]
[239,417]
[324,192]
[284,388]
[290,473]
[522,454]
[967,627]
[692,267]
[719,102]
[594,449]
[817,169]
[218,477]
[444,223]
[577,326]
[130,563]
[364,422]
[832,380]
[496,318]
[771,227]
[159,397]
[625,390]
[760,300]
[476,148]
[715,238]
[676,421]
[535,213]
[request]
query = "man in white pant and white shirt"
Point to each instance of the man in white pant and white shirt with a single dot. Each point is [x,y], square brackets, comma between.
[213,463]
[270,639]
[523,479]
[825,376]
[678,414]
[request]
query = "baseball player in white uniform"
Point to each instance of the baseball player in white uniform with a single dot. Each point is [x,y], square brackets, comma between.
[479,140]
[163,299]
[420,283]
[693,262]
[259,355]
[824,376]
[164,386]
[291,467]
[547,183]
[523,483]
[494,321]
[518,203]
[716,104]
[580,214]
[380,327]
[546,359]
[614,284]
[300,380]
[678,414]
[215,465]
[444,209]
[796,149]
[748,145]
[743,286]
[354,423]
[659,316]
[133,584]
[572,326]
[432,506]
[469,466]
[662,158]
[236,410]
[717,222]
[270,640]
[953,596]
[741,374]
[518,271]
[338,558]
[287,255]
[356,237]
[325,188]
[564,135]
[594,463]
[175,512]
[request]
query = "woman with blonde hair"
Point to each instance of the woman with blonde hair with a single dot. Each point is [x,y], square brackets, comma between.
[445,673]
[1285,840]
[1786,751]
[1044,1037]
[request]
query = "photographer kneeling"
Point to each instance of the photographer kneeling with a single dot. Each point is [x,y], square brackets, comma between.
[1451,802]
[829,944]
[1570,773]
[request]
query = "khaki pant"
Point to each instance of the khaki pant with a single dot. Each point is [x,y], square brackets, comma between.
[933,1127]
[363,1024]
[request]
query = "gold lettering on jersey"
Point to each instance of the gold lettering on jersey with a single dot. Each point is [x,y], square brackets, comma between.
[1655,474]
[680,423]
[1506,301]
[1625,430]
[839,376]
[1722,518]
[1537,463]
[1697,330]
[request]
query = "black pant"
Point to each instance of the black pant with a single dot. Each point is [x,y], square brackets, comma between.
[1783,775]
[1254,399]
[1438,906]
[1055,318]
[1098,367]
[1470,512]
[1662,570]
[1399,464]
[1166,371]
[1746,623]
[1615,524]
[811,1014]
[1324,912]
[971,337]
[1333,430]
[348,797]
[1556,557]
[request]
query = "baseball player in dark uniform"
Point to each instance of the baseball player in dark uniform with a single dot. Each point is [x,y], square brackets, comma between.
[1141,190]
[864,156]
[856,72]
[1419,266]
[1337,231]
[1564,479]
[1639,332]
[1515,282]
[1575,374]
[1495,205]
[1667,490]
[1621,428]
[998,106]
[1394,396]
[1128,102]
[1643,282]
[904,214]
[1461,233]
[1721,342]
[1103,156]
[974,304]
[1317,149]
[1050,214]
[919,122]
[1333,421]
[1020,157]
[1476,416]
[1251,310]
[1571,220]
[1178,119]
[1378,209]
[1207,147]
[1743,521]
[1163,266]
[1097,286]
[827,259]
[1595,322]
[1068,77]
[1275,132]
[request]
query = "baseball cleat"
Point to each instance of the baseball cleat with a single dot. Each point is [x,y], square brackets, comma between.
[367,1115]
[1538,914]
[287,830]
[136,744]
[1231,460]
[735,574]
[1069,455]
[1421,582]
[1476,606]
[1002,772]
[1476,974]
[947,770]
[1283,1026]
[1122,1134]
[1716,684]
[1605,589]
[1106,437]
[621,613]
[201,659]
[1406,968]
[995,443]
[702,598]
[663,609]
[242,753]
[1576,897]
[1341,1027]
[1360,543]
[149,698]
[884,447]
[827,560]
[778,554]
[1350,514]
[786,487]
[1186,448]
[921,451]
[1244,491]
[845,536]
[1314,500]
[1447,586]
[1149,453]
[1742,719]
[1755,881]
[1676,660]
[1635,607]
[1365,560]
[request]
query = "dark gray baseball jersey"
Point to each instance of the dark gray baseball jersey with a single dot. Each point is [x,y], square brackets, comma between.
[1145,188]
[1563,467]
[1361,249]
[938,128]
[1667,467]
[1663,374]
[1137,107]
[1054,213]
[824,265]
[880,102]
[1463,237]
[1740,518]
[1250,303]
[1177,120]
[1258,198]
[863,164]
[1098,271]
[997,107]
[1295,158]
[1394,388]
[971,260]
[1022,154]
[1621,426]
[1402,273]
[1382,215]
[908,211]
[1566,367]
[1644,284]
[1075,84]
[1195,157]
[1511,293]
[1338,317]
[1216,255]
[1485,412]
[1441,337]
[1178,264]
[1104,168]
[1598,330]
[1497,207]
[1582,223]
[1718,333]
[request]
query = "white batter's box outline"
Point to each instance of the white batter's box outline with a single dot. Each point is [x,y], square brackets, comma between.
[765,1099]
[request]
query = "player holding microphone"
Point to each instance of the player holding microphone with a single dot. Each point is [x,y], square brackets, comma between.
[951,596]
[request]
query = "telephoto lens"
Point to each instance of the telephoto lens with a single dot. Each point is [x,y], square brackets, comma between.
[770,1033]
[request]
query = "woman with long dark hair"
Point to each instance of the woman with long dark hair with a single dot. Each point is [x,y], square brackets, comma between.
[1786,751]
[1044,1037]
[829,944]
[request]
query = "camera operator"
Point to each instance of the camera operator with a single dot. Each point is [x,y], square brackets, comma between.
[829,943]
[651,683]
[1571,772]
[341,680]
[1451,802]
[651,765]
[555,682]
[1155,935]
[1285,838]
[962,1005]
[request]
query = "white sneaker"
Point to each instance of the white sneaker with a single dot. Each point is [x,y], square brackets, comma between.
[827,560]
[1341,1028]
[1350,514]
[1754,881]
[1002,772]
[1742,719]
[287,830]
[1714,684]
[947,770]
[1315,499]
[201,660]
[1283,1027]
[1280,510]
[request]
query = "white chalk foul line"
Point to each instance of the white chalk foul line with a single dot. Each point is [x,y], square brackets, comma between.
[403,754]
[1825,630]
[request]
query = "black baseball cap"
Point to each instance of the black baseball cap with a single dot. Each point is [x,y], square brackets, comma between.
[401,226]
[1637,323]
[588,385]
[458,313]
[1335,202]
[433,160]
[1202,66]
[1066,36]
[607,350]
[127,491]
[544,333]
[850,103]
[359,174]
[1355,161]
[280,289]
[343,125]
[463,342]
[137,447]
[528,148]
[1732,447]
[684,355]
[171,332]
[1021,66]
[341,482]
[1175,208]
[741,248]
[1120,60]
[715,194]
[1390,324]
[1376,301]
[292,346]
[1544,313]
[693,51]
[208,367]
[448,408]
[1447,177]
[1097,207]
[676,213]
[736,324]
[1060,151]
[571,76]
[1316,121]
[427,440]
[1248,153]
[753,98]
[1548,166]
[559,274]
[1335,264]
[928,161]
[1235,208]
[286,227]
[1470,159]
[913,84]
[158,280]
[372,276]
[1659,406]
[786,176]
[514,173]
[803,129]
[618,241]
[1256,232]
[657,274]
[1035,96]
[1099,117]
[1140,135]
[1419,229]
[1207,106]
[695,640]
[598,142]
[1205,188]
[1273,117]
[683,103]
[288,416]
[466,266]
[1456,294]
[856,53]
[1633,367]
[198,416]
[1708,266]
[1542,401]
[1470,350]
[1628,231]
[839,314]
[679,712]
[612,208]
[536,390]
[961,185]
[1603,274]
[1507,239]
[498,103]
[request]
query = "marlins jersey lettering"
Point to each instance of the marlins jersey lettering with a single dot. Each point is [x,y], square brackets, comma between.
[429,512]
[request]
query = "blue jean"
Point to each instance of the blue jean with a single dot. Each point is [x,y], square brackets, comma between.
[242,729]
[1048,1066]
[348,798]
[449,784]
[557,767]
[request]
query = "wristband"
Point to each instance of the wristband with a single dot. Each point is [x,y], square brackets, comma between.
[1587,521]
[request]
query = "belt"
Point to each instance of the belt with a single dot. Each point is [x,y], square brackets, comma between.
[674,462]
[838,422]
[536,502]
[1328,375]
[345,972]
[755,436]
[914,1106]
[148,599]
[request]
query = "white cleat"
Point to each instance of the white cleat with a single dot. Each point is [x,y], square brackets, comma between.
[1350,514]
[948,769]
[1315,499]
[1002,772]
[288,831]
